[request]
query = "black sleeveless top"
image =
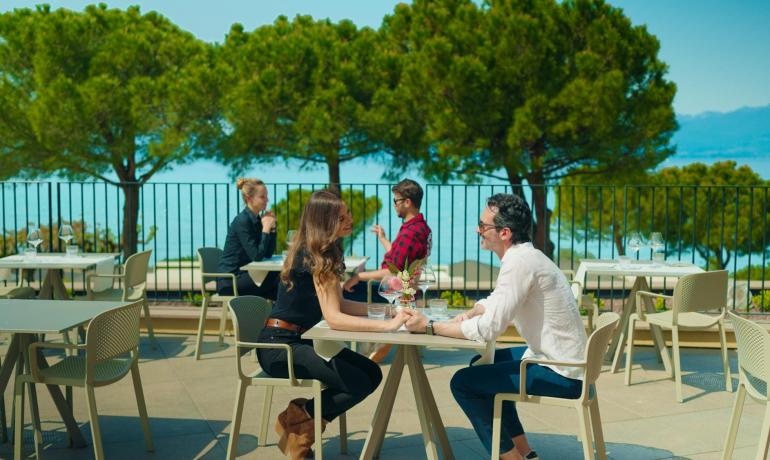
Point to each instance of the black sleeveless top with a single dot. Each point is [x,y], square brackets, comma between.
[298,305]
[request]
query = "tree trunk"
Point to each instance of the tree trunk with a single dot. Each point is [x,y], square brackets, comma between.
[618,243]
[130,217]
[541,235]
[333,164]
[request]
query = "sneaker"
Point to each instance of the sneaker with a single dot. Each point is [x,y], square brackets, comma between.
[532,455]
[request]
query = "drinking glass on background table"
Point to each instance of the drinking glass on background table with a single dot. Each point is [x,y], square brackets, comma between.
[387,290]
[34,237]
[426,279]
[657,245]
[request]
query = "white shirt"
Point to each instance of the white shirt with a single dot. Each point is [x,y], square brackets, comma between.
[534,294]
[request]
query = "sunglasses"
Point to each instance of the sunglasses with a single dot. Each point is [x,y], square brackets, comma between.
[483,226]
[396,201]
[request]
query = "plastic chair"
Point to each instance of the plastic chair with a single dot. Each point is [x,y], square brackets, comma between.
[17,291]
[134,278]
[693,294]
[249,314]
[111,351]
[753,343]
[3,423]
[587,405]
[208,261]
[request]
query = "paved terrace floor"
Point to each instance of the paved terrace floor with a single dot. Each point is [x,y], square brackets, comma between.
[190,404]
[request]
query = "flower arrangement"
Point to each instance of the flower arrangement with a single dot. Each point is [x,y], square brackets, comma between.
[404,281]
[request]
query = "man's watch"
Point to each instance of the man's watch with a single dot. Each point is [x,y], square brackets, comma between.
[429,328]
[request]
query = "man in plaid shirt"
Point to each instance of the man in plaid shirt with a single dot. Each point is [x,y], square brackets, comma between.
[412,243]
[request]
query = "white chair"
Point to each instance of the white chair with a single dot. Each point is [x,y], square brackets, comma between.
[111,351]
[134,280]
[249,314]
[693,296]
[753,343]
[17,291]
[208,261]
[587,405]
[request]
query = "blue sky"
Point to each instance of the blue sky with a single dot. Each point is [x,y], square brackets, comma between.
[718,51]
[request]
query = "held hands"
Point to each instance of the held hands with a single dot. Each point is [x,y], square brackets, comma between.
[400,318]
[417,322]
[268,221]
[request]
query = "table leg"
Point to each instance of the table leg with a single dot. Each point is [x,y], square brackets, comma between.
[384,407]
[413,361]
[57,283]
[658,339]
[5,375]
[432,409]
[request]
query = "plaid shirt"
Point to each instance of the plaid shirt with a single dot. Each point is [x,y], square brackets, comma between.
[412,242]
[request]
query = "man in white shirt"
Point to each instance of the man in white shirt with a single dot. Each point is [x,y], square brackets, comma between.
[533,294]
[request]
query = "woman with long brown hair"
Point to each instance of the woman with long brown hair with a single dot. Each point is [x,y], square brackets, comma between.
[310,291]
[250,238]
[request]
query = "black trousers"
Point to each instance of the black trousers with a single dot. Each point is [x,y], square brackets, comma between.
[268,289]
[349,377]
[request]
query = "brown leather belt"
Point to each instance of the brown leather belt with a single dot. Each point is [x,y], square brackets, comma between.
[281,324]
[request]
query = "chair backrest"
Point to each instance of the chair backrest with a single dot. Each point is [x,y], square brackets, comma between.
[208,261]
[249,313]
[753,343]
[111,334]
[700,292]
[135,269]
[596,348]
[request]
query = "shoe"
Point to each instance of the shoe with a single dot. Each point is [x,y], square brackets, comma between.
[296,430]
[532,455]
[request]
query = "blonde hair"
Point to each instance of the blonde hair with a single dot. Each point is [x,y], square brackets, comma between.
[248,187]
[317,236]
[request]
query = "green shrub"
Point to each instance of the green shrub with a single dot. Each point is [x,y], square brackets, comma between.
[456,299]
[660,304]
[762,300]
[194,299]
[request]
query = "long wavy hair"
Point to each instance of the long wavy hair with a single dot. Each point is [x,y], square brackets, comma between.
[317,237]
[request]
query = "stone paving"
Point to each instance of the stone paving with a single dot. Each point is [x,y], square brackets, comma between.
[190,405]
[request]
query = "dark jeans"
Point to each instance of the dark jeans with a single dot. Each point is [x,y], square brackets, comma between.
[349,377]
[268,289]
[474,389]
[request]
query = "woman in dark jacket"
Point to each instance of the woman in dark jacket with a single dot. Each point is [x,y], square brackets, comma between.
[250,238]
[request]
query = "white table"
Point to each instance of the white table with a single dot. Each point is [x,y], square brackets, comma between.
[640,270]
[259,270]
[53,285]
[27,318]
[433,432]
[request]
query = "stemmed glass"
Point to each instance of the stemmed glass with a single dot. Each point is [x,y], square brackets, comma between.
[634,242]
[66,234]
[426,279]
[387,290]
[34,237]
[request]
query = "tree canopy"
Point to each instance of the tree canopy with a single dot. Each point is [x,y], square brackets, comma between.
[101,92]
[299,89]
[536,89]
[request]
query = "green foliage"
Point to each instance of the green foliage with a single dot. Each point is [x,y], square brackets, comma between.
[455,299]
[702,207]
[762,300]
[755,272]
[193,298]
[538,89]
[300,89]
[288,212]
[660,304]
[101,92]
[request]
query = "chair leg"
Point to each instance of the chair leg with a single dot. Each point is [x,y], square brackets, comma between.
[585,432]
[201,327]
[222,322]
[764,436]
[725,358]
[496,427]
[35,413]
[596,428]
[343,434]
[3,423]
[735,421]
[143,418]
[93,416]
[630,346]
[18,420]
[319,448]
[266,403]
[677,362]
[148,323]
[235,426]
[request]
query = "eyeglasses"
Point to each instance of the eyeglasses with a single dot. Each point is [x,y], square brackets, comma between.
[396,201]
[483,226]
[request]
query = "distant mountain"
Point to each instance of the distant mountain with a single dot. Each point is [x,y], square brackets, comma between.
[744,134]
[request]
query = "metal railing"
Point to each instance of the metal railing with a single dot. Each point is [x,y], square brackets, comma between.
[711,226]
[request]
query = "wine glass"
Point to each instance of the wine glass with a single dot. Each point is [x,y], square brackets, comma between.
[66,234]
[657,245]
[388,288]
[34,237]
[634,242]
[426,279]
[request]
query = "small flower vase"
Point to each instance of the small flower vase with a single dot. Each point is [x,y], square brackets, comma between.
[402,303]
